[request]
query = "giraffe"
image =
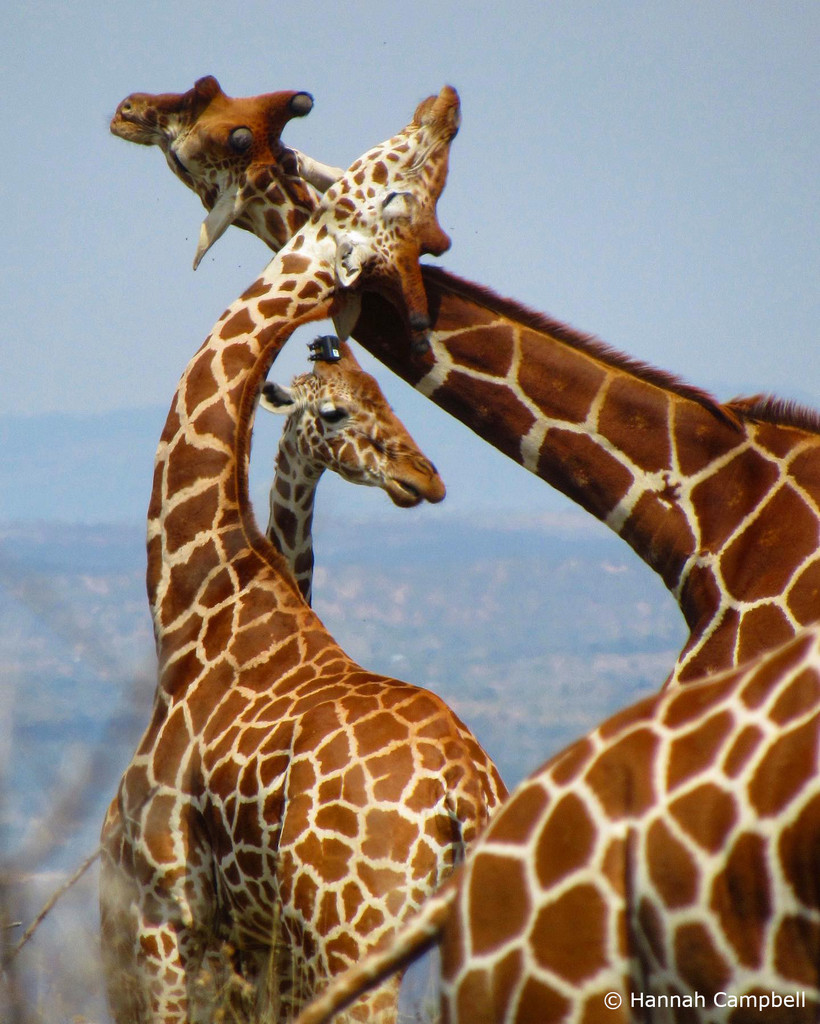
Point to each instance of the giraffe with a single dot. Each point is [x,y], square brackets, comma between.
[229,151]
[284,803]
[663,867]
[339,419]
[721,500]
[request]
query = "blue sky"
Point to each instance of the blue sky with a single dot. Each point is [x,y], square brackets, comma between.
[644,171]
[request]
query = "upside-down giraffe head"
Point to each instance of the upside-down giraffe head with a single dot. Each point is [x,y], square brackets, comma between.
[229,151]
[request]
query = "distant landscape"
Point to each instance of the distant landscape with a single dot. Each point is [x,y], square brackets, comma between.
[532,627]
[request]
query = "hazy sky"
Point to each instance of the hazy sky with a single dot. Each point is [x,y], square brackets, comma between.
[647,172]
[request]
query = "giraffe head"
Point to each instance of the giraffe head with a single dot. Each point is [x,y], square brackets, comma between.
[229,151]
[339,419]
[382,212]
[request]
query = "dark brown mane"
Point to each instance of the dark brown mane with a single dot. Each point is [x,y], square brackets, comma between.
[763,408]
[780,411]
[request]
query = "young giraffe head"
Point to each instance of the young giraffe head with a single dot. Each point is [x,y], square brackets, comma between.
[229,151]
[339,419]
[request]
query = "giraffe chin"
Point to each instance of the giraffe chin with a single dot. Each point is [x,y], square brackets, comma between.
[406,495]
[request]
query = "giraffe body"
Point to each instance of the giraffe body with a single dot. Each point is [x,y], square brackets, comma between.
[722,501]
[337,419]
[663,867]
[284,803]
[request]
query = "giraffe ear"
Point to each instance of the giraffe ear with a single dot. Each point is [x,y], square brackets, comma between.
[320,176]
[277,398]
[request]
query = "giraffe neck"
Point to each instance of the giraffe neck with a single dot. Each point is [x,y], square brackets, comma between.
[290,524]
[722,504]
[204,547]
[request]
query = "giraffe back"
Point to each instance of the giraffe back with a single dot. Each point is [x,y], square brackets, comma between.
[662,867]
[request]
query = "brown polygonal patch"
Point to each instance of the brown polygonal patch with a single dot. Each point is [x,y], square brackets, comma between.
[707,813]
[379,881]
[217,632]
[764,559]
[472,998]
[797,950]
[392,773]
[273,309]
[490,409]
[255,290]
[377,732]
[797,699]
[334,754]
[293,264]
[797,850]
[661,535]
[743,747]
[354,789]
[172,748]
[691,703]
[614,864]
[804,594]
[634,417]
[805,471]
[191,518]
[329,858]
[237,325]
[514,824]
[569,935]
[568,765]
[741,898]
[538,1002]
[506,974]
[499,901]
[725,498]
[580,468]
[622,774]
[388,836]
[561,381]
[693,751]
[786,768]
[699,598]
[337,818]
[565,842]
[489,352]
[671,867]
[698,960]
[701,438]
[762,628]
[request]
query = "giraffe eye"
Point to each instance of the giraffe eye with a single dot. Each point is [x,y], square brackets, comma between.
[240,139]
[398,204]
[335,414]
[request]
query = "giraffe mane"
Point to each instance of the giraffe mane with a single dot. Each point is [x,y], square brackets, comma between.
[765,408]
[782,412]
